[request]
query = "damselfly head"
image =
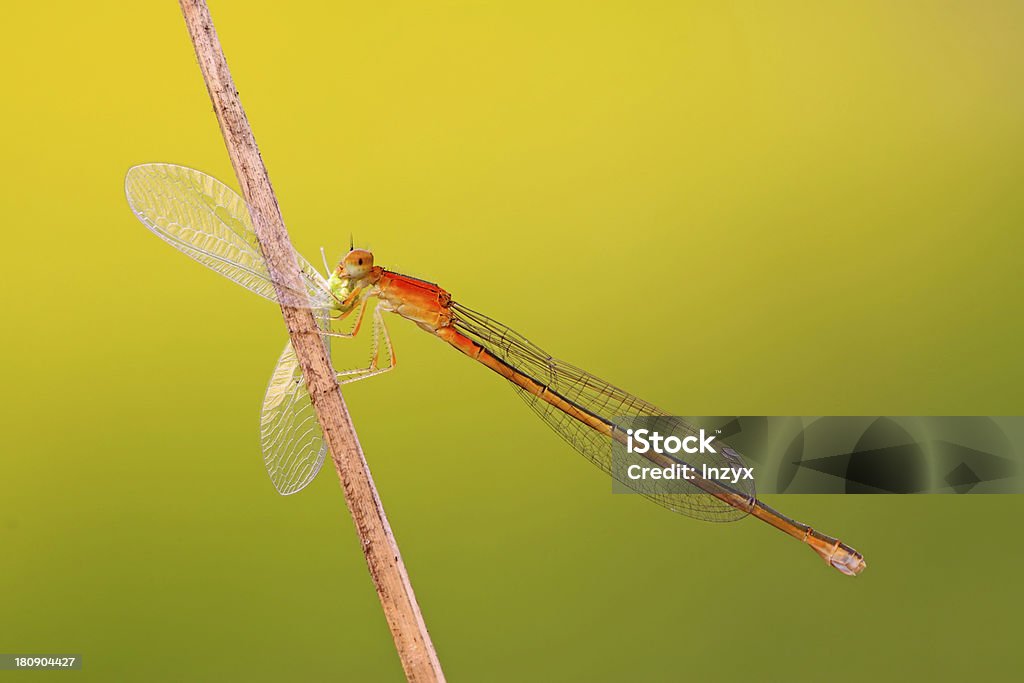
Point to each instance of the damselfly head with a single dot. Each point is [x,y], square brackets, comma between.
[357,263]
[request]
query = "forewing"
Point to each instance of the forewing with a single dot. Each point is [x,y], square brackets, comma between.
[209,222]
[608,403]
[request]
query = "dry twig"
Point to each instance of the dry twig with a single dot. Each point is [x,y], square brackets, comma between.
[382,556]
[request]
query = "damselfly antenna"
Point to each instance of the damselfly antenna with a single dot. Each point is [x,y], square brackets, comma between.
[323,255]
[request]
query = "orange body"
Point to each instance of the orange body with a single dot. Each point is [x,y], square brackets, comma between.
[429,306]
[422,302]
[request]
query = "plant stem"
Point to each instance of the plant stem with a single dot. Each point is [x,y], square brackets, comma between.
[419,660]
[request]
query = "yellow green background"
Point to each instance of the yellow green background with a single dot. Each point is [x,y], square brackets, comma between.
[725,207]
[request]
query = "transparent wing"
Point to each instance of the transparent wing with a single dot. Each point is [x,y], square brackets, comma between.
[611,404]
[208,221]
[293,444]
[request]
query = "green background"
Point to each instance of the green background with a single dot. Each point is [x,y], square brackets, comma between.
[726,208]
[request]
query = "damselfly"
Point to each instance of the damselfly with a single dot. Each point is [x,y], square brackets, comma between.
[206,220]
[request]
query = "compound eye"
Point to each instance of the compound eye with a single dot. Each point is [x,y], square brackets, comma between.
[358,263]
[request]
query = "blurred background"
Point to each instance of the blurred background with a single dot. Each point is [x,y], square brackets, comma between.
[726,208]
